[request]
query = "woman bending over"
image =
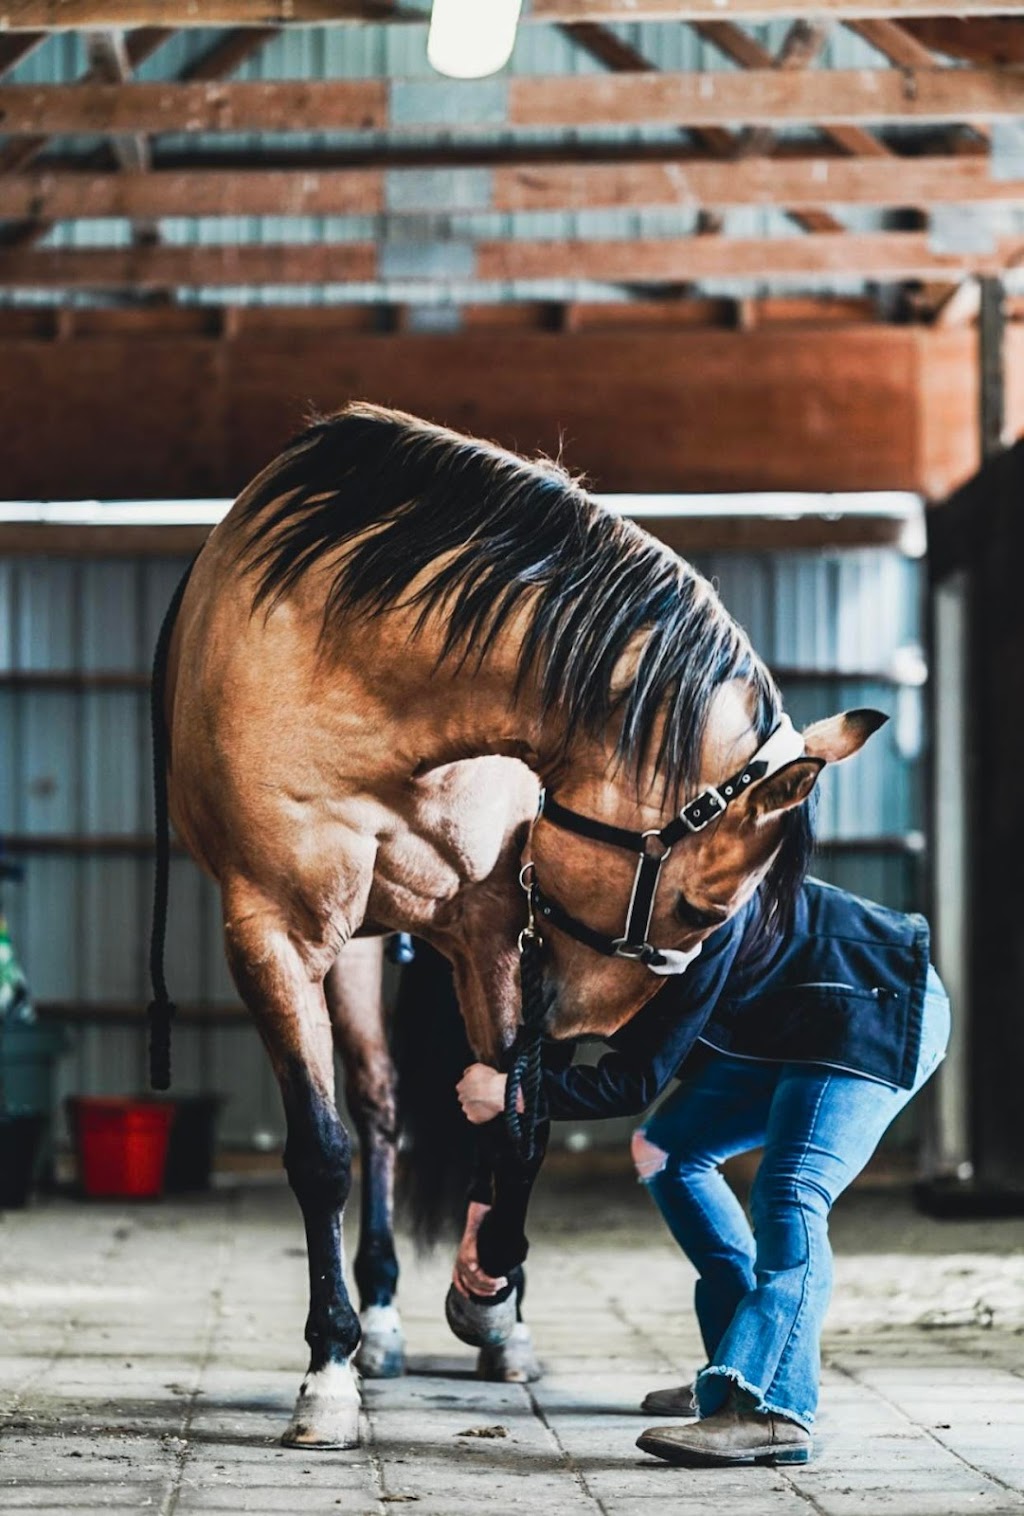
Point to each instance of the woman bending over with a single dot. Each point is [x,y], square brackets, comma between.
[807,1045]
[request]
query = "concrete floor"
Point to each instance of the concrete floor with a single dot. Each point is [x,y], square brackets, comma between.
[151,1356]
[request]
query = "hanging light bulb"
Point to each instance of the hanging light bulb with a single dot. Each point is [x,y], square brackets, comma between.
[469,39]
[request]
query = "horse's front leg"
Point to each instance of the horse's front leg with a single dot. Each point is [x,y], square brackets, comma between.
[488,988]
[356,1005]
[495,1242]
[279,985]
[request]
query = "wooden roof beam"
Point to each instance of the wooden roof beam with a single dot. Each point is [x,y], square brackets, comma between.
[749,54]
[812,258]
[762,97]
[623,184]
[113,57]
[802,44]
[109,64]
[622,57]
[73,15]
[139,46]
[901,47]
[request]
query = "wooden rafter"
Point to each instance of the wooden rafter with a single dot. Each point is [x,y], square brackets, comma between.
[621,57]
[816,256]
[717,141]
[109,64]
[70,15]
[140,45]
[748,53]
[992,39]
[801,46]
[625,184]
[897,43]
[16,47]
[223,57]
[762,97]
[120,58]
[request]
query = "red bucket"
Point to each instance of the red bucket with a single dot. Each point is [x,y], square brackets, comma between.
[122,1145]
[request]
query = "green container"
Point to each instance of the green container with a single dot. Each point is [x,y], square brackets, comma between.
[28,1094]
[28,1067]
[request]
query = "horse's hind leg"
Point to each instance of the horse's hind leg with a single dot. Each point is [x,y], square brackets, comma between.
[356,1005]
[281,990]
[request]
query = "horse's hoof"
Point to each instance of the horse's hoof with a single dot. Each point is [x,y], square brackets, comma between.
[512,1362]
[381,1352]
[326,1413]
[478,1324]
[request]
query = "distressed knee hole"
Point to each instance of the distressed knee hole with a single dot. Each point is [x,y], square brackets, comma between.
[648,1158]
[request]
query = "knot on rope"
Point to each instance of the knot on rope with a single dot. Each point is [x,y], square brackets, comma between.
[161,1014]
[525,1074]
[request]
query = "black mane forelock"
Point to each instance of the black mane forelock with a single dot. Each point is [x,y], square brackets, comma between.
[410,514]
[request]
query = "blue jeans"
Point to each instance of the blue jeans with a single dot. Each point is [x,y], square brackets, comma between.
[761,1296]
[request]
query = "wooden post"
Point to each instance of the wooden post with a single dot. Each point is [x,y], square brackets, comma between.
[992,368]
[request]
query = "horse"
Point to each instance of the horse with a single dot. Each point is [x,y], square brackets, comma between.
[387,615]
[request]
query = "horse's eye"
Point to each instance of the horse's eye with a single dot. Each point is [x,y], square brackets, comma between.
[695,918]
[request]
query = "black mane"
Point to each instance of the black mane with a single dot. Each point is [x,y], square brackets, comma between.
[489,535]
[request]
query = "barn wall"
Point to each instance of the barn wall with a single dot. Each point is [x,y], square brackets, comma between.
[75,788]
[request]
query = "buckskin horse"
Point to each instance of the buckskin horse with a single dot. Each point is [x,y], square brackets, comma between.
[388,613]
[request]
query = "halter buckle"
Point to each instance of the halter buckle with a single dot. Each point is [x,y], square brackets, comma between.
[719,804]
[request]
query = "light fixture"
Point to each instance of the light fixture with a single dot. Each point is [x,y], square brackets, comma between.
[469,39]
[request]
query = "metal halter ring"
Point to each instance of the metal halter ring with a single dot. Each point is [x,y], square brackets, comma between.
[529,933]
[659,852]
[635,952]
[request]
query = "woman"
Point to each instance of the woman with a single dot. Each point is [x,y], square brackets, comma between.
[810,1043]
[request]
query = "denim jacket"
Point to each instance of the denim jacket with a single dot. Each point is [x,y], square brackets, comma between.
[844,986]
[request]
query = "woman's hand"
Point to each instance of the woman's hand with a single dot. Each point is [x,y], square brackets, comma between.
[481,1092]
[467,1276]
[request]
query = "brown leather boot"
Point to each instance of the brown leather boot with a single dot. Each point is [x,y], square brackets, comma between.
[675,1402]
[735,1434]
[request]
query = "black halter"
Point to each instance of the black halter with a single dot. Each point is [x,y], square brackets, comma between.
[652,849]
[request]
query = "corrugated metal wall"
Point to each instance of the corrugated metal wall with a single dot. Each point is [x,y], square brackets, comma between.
[75,786]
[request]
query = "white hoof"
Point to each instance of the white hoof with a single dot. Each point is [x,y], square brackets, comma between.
[326,1413]
[511,1362]
[381,1352]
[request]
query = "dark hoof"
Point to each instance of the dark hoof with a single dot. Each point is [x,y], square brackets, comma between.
[478,1323]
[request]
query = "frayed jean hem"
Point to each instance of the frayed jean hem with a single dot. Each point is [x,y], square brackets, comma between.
[762,1406]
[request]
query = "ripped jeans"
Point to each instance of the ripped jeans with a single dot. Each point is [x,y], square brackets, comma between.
[761,1303]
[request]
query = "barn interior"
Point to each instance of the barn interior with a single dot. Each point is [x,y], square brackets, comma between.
[757,272]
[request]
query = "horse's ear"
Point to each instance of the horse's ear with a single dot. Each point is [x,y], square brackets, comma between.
[840,737]
[787,787]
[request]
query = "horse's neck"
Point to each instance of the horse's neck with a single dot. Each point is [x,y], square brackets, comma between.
[493,710]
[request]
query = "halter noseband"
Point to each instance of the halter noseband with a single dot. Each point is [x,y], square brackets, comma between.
[652,849]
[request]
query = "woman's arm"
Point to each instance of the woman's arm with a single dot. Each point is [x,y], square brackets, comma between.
[645,1054]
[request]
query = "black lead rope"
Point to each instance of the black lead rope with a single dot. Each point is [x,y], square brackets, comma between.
[161,1008]
[525,1074]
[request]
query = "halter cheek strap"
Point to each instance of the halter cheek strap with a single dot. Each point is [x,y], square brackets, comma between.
[652,849]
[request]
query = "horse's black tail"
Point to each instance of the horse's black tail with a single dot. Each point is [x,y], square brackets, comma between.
[431,1050]
[161,1007]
